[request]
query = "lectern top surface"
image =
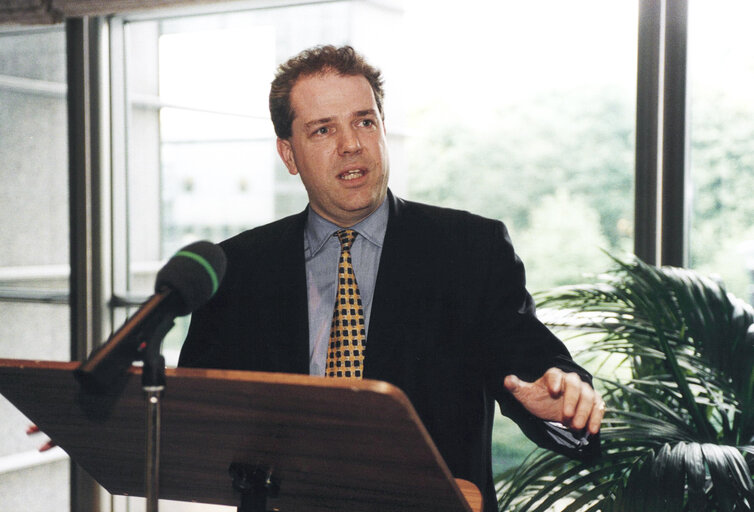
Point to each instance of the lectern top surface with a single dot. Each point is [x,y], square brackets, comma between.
[332,444]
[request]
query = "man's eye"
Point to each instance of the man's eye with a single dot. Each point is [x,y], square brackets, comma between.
[322,131]
[367,122]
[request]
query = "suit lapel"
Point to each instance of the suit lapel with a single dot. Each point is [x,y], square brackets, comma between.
[386,325]
[291,348]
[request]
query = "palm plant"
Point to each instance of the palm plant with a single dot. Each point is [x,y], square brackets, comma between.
[674,356]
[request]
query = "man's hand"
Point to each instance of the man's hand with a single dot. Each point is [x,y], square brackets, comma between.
[33,429]
[560,396]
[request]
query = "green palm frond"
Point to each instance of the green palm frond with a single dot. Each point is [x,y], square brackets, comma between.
[674,355]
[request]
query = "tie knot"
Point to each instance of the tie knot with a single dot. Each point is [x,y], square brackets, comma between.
[346,238]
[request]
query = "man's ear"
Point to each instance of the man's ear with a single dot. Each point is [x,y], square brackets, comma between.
[285,150]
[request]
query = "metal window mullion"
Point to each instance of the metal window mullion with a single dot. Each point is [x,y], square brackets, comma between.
[119,129]
[662,199]
[648,130]
[84,194]
[44,88]
[34,296]
[675,215]
[80,181]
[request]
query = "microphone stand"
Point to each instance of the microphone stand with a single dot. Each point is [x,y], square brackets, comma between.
[141,336]
[153,384]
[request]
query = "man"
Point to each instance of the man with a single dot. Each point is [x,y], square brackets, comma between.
[440,303]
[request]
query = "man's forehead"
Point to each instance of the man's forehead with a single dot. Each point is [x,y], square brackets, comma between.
[329,95]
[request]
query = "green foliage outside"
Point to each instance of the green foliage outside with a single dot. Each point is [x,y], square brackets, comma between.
[557,169]
[565,157]
[509,446]
[722,176]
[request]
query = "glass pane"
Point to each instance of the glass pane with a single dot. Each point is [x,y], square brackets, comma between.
[33,169]
[33,249]
[35,331]
[35,54]
[526,114]
[721,86]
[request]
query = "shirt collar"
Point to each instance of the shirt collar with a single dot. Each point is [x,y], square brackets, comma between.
[319,230]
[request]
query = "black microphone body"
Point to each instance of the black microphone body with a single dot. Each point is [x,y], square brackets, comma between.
[185,283]
[128,343]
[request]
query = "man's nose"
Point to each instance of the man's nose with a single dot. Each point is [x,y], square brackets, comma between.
[349,142]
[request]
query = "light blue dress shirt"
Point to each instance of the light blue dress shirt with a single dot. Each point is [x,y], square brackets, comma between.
[321,252]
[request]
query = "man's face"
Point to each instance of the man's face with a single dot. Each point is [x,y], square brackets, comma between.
[337,146]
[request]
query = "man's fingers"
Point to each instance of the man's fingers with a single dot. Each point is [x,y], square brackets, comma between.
[512,383]
[589,411]
[595,420]
[553,379]
[49,444]
[560,396]
[584,408]
[573,388]
[578,399]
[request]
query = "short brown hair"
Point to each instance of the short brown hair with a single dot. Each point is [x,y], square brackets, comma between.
[342,60]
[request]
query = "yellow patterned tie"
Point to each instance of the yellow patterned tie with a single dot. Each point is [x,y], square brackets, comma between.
[345,355]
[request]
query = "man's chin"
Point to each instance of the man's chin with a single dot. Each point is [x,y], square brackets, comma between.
[355,213]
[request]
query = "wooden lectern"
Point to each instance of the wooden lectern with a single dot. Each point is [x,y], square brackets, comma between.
[317,444]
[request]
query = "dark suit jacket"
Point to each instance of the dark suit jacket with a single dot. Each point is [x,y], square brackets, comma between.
[450,318]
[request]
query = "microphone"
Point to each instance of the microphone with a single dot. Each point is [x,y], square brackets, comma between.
[188,280]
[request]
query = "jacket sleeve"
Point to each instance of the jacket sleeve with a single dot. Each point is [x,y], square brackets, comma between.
[516,342]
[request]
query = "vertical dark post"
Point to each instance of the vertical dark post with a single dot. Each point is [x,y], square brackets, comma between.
[648,130]
[675,217]
[85,283]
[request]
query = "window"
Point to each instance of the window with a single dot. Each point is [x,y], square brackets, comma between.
[526,114]
[721,104]
[34,270]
